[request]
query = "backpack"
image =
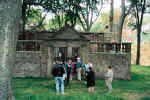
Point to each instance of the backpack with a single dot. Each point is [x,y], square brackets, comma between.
[57,70]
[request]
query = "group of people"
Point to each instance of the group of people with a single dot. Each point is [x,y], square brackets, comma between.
[64,73]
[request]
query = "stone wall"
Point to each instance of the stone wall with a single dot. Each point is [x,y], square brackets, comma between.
[29,64]
[120,63]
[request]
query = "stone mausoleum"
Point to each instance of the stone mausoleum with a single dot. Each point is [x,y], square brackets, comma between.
[36,52]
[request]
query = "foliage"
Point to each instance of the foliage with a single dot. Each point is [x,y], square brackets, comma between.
[101,23]
[139,9]
[44,89]
[90,13]
[67,8]
[30,11]
[83,11]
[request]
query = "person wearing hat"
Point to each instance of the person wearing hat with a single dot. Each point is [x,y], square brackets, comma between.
[78,66]
[90,80]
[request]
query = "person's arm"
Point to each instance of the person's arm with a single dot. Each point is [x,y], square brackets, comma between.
[94,77]
[66,68]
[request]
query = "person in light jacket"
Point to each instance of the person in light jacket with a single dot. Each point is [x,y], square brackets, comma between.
[109,79]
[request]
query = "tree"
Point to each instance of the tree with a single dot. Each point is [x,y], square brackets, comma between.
[111,17]
[84,11]
[35,19]
[125,10]
[90,11]
[9,28]
[139,10]
[66,11]
[27,10]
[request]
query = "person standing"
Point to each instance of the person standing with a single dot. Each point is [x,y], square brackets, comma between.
[109,79]
[58,72]
[89,64]
[90,80]
[78,68]
[72,69]
[68,68]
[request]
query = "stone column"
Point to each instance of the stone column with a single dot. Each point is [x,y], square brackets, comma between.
[69,51]
[84,53]
[49,61]
[44,57]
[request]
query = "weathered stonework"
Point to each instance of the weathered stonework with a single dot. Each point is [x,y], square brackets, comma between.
[29,64]
[120,63]
[40,64]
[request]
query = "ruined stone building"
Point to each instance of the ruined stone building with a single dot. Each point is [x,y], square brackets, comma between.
[36,52]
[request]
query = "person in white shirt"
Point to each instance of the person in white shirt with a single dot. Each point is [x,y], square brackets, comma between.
[109,79]
[89,64]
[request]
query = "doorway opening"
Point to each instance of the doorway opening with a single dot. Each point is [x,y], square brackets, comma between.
[65,53]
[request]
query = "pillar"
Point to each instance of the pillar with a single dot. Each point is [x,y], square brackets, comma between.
[49,61]
[69,52]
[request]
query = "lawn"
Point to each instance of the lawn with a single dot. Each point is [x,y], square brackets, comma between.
[138,88]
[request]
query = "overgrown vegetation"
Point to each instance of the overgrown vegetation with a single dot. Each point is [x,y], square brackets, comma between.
[138,88]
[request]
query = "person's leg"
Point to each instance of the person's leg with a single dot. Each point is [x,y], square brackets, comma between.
[68,77]
[106,81]
[92,89]
[57,85]
[89,89]
[79,74]
[109,85]
[71,76]
[62,86]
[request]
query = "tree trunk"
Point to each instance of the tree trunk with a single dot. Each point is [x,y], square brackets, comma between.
[23,21]
[9,28]
[139,30]
[122,19]
[111,17]
[138,45]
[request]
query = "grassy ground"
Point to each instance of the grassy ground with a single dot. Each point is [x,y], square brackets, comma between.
[138,88]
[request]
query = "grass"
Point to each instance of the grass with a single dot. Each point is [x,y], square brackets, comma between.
[138,88]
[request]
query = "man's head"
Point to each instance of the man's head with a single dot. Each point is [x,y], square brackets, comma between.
[69,61]
[78,59]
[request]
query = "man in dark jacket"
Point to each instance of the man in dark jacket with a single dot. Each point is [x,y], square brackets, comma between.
[58,72]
